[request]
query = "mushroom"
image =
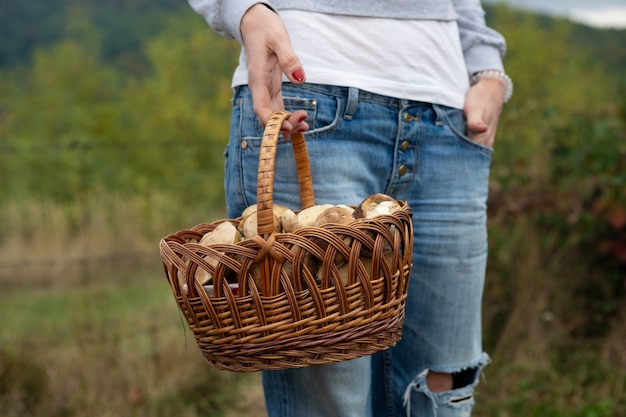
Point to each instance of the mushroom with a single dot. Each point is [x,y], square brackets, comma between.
[308,216]
[224,233]
[377,204]
[249,210]
[248,223]
[316,216]
[278,210]
[289,222]
[340,214]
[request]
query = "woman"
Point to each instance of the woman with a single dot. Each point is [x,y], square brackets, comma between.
[398,97]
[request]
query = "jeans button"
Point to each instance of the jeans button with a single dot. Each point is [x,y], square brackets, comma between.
[402,170]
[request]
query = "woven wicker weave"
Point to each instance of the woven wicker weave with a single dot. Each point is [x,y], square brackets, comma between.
[293,318]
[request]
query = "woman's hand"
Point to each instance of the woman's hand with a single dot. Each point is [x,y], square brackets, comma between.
[269,55]
[483,105]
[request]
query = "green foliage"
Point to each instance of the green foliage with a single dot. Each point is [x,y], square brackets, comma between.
[52,110]
[557,226]
[554,81]
[72,123]
[560,157]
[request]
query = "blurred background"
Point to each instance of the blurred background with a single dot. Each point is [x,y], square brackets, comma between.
[113,120]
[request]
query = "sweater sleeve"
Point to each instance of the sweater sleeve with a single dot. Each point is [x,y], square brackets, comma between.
[483,47]
[224,16]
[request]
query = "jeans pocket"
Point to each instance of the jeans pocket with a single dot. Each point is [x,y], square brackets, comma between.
[454,121]
[323,110]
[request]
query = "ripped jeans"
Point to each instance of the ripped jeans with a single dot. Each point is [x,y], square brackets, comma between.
[359,144]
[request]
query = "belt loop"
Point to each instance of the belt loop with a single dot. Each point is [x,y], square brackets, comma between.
[440,114]
[353,100]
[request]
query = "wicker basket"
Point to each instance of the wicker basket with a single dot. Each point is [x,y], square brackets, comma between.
[293,319]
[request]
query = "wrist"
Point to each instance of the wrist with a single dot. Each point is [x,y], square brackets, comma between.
[495,75]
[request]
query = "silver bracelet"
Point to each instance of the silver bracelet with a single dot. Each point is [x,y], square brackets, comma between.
[495,75]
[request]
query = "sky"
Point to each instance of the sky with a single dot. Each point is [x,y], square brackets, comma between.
[598,13]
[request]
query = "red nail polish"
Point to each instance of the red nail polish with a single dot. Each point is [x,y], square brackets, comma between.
[298,75]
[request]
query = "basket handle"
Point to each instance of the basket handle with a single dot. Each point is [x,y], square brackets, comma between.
[265,182]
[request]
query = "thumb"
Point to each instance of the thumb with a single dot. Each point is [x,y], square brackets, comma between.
[290,65]
[475,123]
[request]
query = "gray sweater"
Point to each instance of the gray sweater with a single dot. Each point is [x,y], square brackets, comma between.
[483,48]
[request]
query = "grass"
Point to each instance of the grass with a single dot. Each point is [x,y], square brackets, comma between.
[106,348]
[91,329]
[90,326]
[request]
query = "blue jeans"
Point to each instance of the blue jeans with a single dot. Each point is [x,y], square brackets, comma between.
[360,144]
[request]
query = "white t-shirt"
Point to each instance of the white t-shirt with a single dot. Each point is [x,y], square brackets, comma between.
[419,60]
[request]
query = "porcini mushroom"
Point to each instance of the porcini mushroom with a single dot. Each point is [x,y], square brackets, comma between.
[249,225]
[340,214]
[224,233]
[277,209]
[377,204]
[289,221]
[307,217]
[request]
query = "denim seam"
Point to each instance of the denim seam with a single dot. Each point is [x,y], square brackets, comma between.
[240,103]
[388,375]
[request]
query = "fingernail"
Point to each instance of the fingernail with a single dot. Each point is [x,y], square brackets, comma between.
[302,119]
[298,75]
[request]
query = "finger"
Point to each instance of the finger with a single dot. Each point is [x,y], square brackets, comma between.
[290,63]
[475,118]
[477,128]
[478,132]
[297,120]
[295,123]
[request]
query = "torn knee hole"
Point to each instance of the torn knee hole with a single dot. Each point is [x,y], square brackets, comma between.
[464,378]
[441,381]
